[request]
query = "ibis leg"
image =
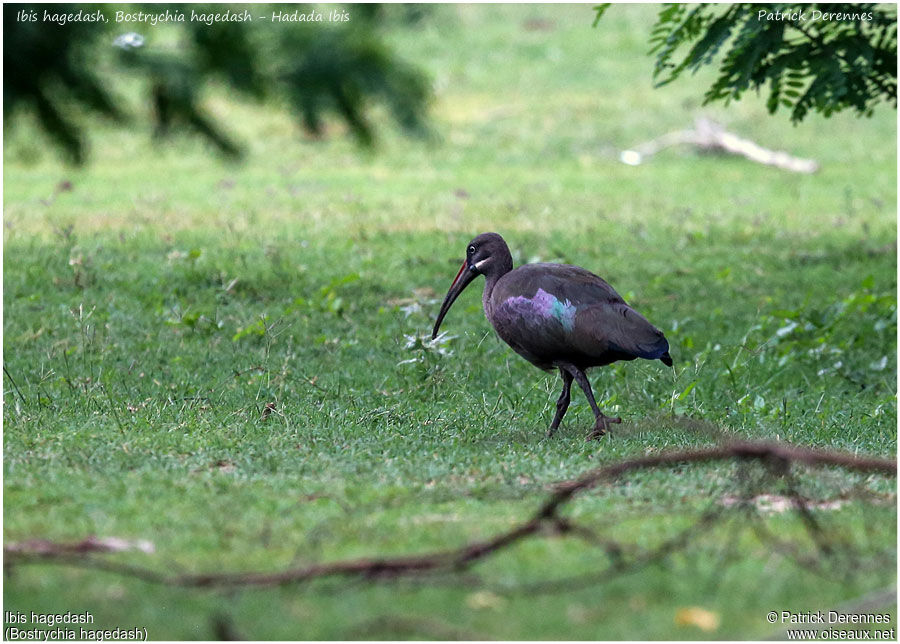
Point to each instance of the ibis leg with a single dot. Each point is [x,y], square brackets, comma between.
[562,404]
[602,422]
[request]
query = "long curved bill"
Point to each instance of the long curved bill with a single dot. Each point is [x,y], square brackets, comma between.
[460,282]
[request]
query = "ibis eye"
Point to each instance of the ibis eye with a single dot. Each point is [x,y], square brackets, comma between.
[471,250]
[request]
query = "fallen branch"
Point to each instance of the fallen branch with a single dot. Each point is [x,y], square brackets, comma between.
[778,457]
[43,547]
[709,136]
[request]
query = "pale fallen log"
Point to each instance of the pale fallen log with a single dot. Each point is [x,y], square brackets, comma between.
[710,136]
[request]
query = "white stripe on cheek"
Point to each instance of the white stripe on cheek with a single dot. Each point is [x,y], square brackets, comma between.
[478,265]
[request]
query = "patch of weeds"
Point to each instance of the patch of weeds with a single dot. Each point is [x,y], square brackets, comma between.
[328,298]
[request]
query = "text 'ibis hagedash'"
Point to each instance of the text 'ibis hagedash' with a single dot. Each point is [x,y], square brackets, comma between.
[556,316]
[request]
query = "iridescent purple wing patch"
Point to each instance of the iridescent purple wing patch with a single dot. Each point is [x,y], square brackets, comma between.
[543,305]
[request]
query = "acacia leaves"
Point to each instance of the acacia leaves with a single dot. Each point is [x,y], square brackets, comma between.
[67,75]
[824,58]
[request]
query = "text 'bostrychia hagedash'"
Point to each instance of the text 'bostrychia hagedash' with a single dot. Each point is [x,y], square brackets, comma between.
[556,316]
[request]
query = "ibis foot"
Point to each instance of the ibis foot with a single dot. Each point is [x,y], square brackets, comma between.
[601,427]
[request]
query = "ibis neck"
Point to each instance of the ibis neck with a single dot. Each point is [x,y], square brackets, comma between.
[492,277]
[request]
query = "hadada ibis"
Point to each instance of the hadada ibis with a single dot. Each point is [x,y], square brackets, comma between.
[556,316]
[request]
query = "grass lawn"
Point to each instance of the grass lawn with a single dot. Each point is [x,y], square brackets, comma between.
[154,310]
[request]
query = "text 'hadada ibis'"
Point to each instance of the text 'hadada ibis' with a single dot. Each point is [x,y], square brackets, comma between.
[556,316]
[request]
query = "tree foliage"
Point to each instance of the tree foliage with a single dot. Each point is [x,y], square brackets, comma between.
[820,57]
[45,67]
[319,69]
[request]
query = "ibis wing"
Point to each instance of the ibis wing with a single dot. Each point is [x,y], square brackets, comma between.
[616,328]
[572,283]
[549,312]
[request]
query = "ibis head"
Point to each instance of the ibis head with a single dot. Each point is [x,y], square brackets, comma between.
[486,255]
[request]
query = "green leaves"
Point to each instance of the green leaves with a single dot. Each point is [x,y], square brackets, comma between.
[48,72]
[327,299]
[600,9]
[256,328]
[810,62]
[318,71]
[833,336]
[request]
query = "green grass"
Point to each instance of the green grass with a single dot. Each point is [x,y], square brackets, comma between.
[153,311]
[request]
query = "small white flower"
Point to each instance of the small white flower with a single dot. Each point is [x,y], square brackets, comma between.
[130,40]
[409,309]
[787,328]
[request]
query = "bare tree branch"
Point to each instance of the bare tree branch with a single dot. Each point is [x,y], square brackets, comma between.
[546,520]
